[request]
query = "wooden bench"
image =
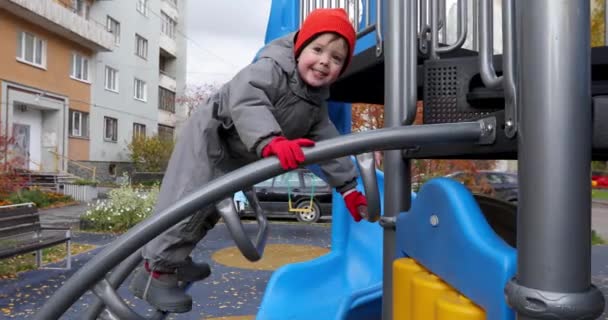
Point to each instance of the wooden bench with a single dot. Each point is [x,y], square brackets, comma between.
[21,232]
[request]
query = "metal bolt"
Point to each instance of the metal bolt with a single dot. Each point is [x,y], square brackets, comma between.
[509,123]
[434,220]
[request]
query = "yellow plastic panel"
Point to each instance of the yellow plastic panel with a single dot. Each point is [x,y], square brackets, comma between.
[426,289]
[420,295]
[403,271]
[451,306]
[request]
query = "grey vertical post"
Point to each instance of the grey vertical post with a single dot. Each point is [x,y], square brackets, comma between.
[400,44]
[554,217]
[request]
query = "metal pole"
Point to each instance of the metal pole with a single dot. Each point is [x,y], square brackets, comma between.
[400,40]
[554,218]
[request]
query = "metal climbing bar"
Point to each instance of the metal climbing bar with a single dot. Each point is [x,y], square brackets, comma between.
[554,218]
[383,139]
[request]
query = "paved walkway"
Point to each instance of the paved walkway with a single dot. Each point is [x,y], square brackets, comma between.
[228,291]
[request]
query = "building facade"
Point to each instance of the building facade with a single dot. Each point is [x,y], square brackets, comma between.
[81,78]
[136,84]
[46,76]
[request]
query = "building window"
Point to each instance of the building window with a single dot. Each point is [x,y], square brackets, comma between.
[141,46]
[31,49]
[80,67]
[139,130]
[111,79]
[142,7]
[168,25]
[166,99]
[110,129]
[140,90]
[81,8]
[165,132]
[79,124]
[113,27]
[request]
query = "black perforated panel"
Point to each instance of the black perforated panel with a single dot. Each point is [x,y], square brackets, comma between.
[446,85]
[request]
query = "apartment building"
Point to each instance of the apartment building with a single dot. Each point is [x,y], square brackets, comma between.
[46,76]
[135,86]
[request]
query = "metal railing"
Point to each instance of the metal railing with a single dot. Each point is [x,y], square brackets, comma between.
[58,157]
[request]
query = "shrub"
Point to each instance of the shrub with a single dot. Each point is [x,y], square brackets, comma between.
[125,207]
[41,198]
[150,154]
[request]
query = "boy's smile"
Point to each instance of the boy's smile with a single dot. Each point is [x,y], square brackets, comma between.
[322,60]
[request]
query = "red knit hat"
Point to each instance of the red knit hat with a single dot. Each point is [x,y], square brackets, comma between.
[326,20]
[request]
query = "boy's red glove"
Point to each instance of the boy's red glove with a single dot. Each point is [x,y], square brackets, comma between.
[354,199]
[289,152]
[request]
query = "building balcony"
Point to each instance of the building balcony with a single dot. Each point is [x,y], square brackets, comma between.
[62,21]
[167,82]
[170,9]
[167,118]
[168,45]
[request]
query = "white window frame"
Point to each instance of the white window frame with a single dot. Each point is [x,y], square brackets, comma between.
[142,7]
[38,50]
[80,61]
[83,124]
[111,81]
[140,90]
[113,27]
[168,25]
[139,129]
[83,11]
[114,130]
[141,46]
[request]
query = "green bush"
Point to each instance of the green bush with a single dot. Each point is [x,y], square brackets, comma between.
[150,154]
[125,207]
[40,198]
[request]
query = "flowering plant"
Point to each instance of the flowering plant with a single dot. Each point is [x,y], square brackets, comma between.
[125,207]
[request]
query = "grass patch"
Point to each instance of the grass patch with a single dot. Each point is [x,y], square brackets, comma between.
[9,267]
[596,239]
[599,194]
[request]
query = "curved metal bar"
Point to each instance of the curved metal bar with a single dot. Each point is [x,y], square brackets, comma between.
[379,40]
[434,29]
[508,67]
[411,64]
[486,46]
[367,170]
[106,292]
[463,21]
[115,278]
[393,138]
[251,251]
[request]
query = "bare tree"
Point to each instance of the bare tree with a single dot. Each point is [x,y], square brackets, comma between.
[195,95]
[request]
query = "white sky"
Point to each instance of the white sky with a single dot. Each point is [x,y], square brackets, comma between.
[223,37]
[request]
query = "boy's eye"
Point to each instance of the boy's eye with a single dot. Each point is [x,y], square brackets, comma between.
[316,49]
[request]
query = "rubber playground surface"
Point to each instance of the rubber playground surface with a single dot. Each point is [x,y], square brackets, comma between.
[232,292]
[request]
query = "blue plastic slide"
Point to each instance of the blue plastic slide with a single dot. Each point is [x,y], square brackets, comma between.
[344,284]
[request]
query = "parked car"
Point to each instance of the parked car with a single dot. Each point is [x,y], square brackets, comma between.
[299,193]
[599,180]
[501,185]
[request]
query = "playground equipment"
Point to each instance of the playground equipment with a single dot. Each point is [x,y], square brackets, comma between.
[443,254]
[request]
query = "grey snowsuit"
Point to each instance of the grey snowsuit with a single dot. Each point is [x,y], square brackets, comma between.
[265,99]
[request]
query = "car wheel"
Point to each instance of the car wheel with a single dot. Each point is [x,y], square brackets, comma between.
[309,217]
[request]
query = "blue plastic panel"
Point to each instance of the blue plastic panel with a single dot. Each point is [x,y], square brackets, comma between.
[462,248]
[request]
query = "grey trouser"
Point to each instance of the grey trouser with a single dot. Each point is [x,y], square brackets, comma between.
[173,247]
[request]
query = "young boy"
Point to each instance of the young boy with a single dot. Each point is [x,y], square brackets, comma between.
[272,107]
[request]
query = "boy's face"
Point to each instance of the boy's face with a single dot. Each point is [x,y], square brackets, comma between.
[321,61]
